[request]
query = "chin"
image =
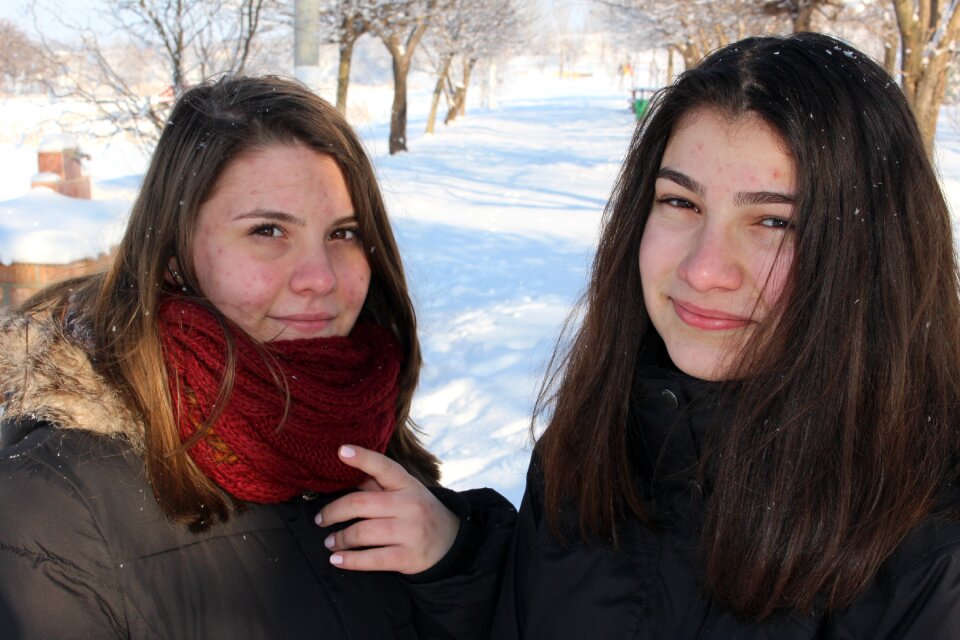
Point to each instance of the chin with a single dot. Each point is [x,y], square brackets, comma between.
[699,365]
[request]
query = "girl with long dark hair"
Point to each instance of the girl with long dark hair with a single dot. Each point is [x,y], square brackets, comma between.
[754,432]
[172,427]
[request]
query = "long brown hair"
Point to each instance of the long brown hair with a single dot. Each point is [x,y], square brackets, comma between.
[211,124]
[844,429]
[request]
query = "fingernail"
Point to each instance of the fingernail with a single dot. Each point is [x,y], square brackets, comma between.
[318,519]
[336,559]
[328,543]
[347,451]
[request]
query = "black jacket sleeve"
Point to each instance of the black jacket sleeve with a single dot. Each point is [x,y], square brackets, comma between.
[57,579]
[455,598]
[509,618]
[922,600]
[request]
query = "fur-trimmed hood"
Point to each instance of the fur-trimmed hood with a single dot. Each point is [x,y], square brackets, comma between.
[46,375]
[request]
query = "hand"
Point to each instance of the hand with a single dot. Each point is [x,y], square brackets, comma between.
[403,527]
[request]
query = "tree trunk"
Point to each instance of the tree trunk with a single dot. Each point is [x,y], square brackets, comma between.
[398,114]
[402,53]
[176,73]
[670,71]
[350,31]
[458,96]
[927,36]
[690,54]
[467,72]
[890,46]
[448,90]
[250,18]
[928,98]
[343,75]
[438,91]
[803,19]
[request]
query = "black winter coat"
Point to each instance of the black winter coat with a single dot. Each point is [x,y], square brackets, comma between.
[650,587]
[86,552]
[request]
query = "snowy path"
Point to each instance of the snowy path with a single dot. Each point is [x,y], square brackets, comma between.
[497,219]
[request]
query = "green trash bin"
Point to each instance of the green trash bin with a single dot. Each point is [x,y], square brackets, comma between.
[640,106]
[640,100]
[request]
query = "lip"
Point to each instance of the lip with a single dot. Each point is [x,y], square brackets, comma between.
[707,319]
[306,322]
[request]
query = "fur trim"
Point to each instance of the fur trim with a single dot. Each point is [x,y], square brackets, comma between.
[47,375]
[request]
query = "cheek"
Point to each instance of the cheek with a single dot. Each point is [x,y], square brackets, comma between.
[776,277]
[355,282]
[657,255]
[231,281]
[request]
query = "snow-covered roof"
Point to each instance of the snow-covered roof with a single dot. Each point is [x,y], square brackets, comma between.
[45,176]
[58,142]
[46,227]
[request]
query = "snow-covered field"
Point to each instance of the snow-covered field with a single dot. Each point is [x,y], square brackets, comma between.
[497,217]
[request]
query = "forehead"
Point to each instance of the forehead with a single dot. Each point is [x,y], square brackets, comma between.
[714,146]
[268,164]
[722,126]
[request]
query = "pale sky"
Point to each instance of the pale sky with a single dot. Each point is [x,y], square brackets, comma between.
[83,11]
[79,12]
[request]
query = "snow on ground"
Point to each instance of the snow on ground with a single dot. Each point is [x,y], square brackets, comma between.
[497,218]
[948,160]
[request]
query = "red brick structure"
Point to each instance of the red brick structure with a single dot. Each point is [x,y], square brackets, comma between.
[59,161]
[60,167]
[20,280]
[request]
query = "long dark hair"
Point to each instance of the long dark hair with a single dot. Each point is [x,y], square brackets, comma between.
[211,124]
[844,428]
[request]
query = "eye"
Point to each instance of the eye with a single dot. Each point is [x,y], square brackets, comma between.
[778,223]
[267,230]
[678,203]
[345,233]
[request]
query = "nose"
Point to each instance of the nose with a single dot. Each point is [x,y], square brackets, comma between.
[313,272]
[711,261]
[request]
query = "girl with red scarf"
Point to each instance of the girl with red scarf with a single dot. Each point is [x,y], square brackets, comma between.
[197,442]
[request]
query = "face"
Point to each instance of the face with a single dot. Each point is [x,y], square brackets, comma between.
[277,248]
[718,244]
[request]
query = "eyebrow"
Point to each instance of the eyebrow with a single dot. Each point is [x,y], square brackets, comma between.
[742,198]
[681,179]
[288,218]
[269,214]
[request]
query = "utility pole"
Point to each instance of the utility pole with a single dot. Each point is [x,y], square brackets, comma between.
[306,44]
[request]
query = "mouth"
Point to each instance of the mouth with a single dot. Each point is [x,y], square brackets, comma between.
[708,319]
[306,323]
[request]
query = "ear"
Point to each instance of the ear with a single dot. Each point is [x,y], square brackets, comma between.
[173,275]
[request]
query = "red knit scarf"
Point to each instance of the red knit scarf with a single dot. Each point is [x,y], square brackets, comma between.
[342,390]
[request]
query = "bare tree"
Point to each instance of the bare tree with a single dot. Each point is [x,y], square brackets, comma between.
[929,31]
[464,33]
[400,25]
[343,22]
[22,62]
[872,26]
[692,28]
[172,42]
[801,12]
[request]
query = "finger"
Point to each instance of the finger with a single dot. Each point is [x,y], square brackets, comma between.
[381,532]
[369,484]
[359,504]
[388,474]
[379,559]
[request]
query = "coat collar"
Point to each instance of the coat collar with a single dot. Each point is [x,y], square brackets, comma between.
[672,415]
[46,375]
